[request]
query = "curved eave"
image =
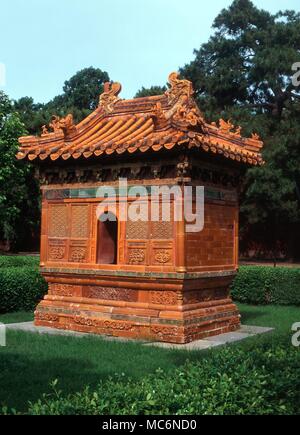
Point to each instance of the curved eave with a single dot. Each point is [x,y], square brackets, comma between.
[167,141]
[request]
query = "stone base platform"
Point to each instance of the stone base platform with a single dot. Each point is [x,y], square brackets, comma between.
[208,343]
[168,309]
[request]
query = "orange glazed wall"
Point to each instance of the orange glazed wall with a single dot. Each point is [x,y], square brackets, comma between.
[215,247]
[69,235]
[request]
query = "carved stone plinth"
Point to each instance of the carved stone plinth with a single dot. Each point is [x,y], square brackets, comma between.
[175,310]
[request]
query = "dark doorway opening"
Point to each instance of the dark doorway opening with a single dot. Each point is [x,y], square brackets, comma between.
[107,240]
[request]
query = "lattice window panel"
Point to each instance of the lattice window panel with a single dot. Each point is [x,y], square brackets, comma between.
[138,230]
[80,222]
[58,225]
[163,230]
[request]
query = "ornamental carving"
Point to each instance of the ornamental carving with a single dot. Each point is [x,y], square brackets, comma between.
[255,137]
[136,256]
[121,326]
[162,230]
[104,324]
[178,88]
[110,96]
[184,110]
[137,230]
[228,128]
[164,298]
[84,321]
[109,293]
[188,115]
[163,331]
[58,125]
[61,289]
[80,222]
[78,255]
[46,317]
[163,257]
[183,167]
[56,252]
[58,221]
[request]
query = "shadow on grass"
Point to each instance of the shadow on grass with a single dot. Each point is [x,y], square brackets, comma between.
[31,362]
[251,314]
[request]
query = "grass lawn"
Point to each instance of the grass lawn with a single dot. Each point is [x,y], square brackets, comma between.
[30,362]
[19,317]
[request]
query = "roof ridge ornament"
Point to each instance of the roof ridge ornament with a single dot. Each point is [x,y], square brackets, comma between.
[179,88]
[184,111]
[110,96]
[59,125]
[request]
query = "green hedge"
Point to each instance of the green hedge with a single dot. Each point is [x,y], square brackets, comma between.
[21,288]
[267,285]
[227,382]
[18,261]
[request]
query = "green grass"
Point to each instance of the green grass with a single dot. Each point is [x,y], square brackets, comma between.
[30,362]
[19,317]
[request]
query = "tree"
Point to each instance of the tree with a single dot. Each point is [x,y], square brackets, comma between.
[244,73]
[19,198]
[83,89]
[80,97]
[148,92]
[32,115]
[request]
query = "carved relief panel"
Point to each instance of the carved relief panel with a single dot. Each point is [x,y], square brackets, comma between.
[151,242]
[69,233]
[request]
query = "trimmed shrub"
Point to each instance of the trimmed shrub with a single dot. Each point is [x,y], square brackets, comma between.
[228,382]
[21,288]
[18,261]
[267,285]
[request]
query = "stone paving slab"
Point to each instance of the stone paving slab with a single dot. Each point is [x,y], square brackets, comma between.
[231,337]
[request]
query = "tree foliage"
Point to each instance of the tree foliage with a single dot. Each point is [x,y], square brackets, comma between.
[80,97]
[19,214]
[244,72]
[148,92]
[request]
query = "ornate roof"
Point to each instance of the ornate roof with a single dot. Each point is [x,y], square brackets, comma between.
[142,124]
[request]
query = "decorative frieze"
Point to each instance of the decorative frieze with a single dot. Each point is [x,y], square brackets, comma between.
[109,293]
[164,297]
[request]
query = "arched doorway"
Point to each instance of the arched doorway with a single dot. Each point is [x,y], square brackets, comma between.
[107,239]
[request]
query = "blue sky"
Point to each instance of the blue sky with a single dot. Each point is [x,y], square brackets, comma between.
[138,42]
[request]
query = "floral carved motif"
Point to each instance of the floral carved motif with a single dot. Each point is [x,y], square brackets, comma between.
[163,257]
[105,324]
[46,317]
[136,256]
[108,293]
[164,298]
[78,255]
[61,289]
[163,331]
[56,252]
